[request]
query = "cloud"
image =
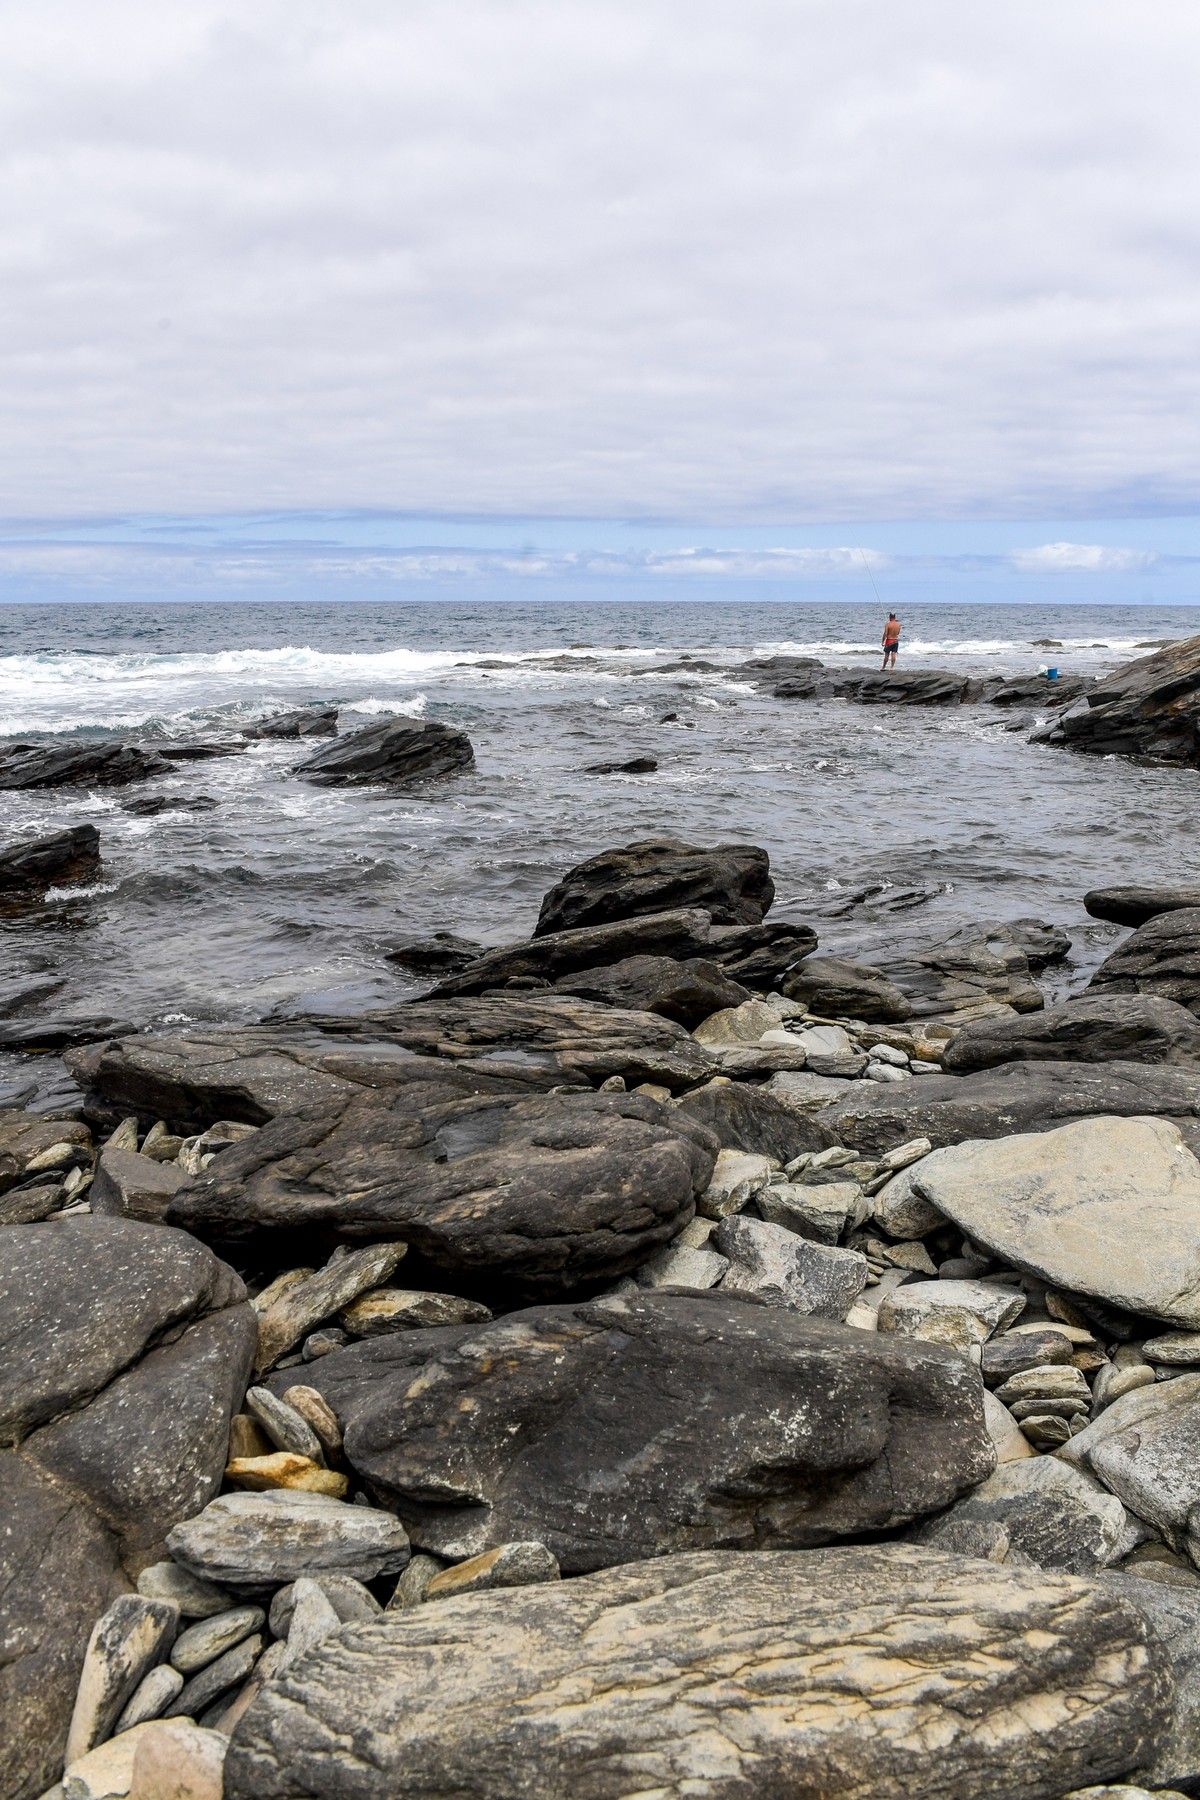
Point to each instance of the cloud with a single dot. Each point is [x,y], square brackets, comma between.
[1096,559]
[840,259]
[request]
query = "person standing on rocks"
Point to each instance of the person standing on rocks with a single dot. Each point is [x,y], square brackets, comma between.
[891,642]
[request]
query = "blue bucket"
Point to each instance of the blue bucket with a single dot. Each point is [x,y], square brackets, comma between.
[1051,674]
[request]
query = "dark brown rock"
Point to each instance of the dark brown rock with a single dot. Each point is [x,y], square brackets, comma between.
[731,882]
[834,988]
[684,991]
[396,753]
[65,858]
[1134,905]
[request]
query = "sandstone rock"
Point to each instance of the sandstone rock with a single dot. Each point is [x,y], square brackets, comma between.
[401,1309]
[396,753]
[257,1541]
[841,989]
[348,1598]
[313,1619]
[731,882]
[284,1469]
[820,1211]
[131,1637]
[734,1024]
[1107,1207]
[284,1426]
[1134,905]
[29,1145]
[508,1565]
[1092,1028]
[477,1435]
[1174,1614]
[1145,1448]
[782,1269]
[725,1675]
[1161,957]
[978,963]
[1008,1440]
[805,1093]
[178,1761]
[319,1296]
[105,1773]
[901,1209]
[955,1313]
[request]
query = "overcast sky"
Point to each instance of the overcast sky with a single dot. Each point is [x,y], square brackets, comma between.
[618,279]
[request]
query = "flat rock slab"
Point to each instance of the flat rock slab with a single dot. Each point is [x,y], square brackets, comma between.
[1134,905]
[624,1428]
[1016,1097]
[870,1673]
[1097,1027]
[732,882]
[549,1191]
[253,1542]
[1161,957]
[395,753]
[1106,1207]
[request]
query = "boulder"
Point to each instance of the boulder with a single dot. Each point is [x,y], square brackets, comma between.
[835,988]
[1145,1448]
[545,1192]
[978,964]
[957,1313]
[622,1428]
[783,1269]
[685,991]
[28,868]
[395,753]
[1134,905]
[441,953]
[760,955]
[1015,1097]
[133,1186]
[1150,707]
[1105,1207]
[111,764]
[124,1352]
[1174,1614]
[1161,957]
[742,1117]
[681,934]
[304,722]
[1098,1027]
[876,1673]
[731,882]
[1056,1516]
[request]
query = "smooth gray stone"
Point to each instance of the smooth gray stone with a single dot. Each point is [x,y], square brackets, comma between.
[195,1599]
[1134,905]
[151,1698]
[215,1678]
[131,1637]
[203,1642]
[257,1541]
[312,1620]
[284,1426]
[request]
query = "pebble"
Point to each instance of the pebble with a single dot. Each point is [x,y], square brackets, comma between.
[349,1599]
[410,1589]
[204,1642]
[508,1565]
[216,1678]
[178,1761]
[152,1696]
[285,1427]
[885,1072]
[195,1599]
[1112,1381]
[259,1541]
[1046,1431]
[126,1642]
[284,1469]
[1013,1352]
[886,1053]
[314,1408]
[1059,1381]
[904,1155]
[1064,1409]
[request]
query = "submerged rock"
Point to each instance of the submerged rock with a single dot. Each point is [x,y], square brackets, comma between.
[732,883]
[110,764]
[27,869]
[396,753]
[729,1676]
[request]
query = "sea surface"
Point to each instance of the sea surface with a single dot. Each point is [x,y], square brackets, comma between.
[288,895]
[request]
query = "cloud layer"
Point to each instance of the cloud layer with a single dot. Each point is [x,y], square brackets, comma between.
[836,259]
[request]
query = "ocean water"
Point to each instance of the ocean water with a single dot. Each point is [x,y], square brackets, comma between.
[288,894]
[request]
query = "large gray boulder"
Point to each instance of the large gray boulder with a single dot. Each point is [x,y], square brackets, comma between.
[1161,957]
[1105,1207]
[1098,1027]
[732,882]
[1134,905]
[1014,1097]
[1150,707]
[546,1192]
[623,1428]
[394,753]
[1145,1448]
[29,867]
[1055,1516]
[871,1673]
[124,1352]
[109,764]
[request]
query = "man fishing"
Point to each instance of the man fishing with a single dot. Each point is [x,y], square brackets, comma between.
[891,642]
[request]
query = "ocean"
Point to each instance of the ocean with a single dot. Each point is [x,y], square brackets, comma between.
[288,895]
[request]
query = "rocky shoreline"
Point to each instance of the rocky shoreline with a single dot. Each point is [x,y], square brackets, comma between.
[665,1359]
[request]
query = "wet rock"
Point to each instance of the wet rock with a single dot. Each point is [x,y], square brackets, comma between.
[685,991]
[507,1566]
[782,1269]
[110,764]
[1064,1683]
[834,987]
[128,1185]
[395,753]
[1097,1027]
[732,882]
[1055,1515]
[1134,905]
[303,722]
[477,1435]
[633,765]
[1106,1207]
[977,964]
[259,1541]
[149,806]
[549,1191]
[63,859]
[1150,707]
[131,1637]
[683,933]
[1145,1448]
[441,953]
[1161,957]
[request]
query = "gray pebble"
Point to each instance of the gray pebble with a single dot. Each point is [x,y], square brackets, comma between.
[201,1644]
[284,1426]
[215,1679]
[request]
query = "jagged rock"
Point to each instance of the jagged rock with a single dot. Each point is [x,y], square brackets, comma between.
[255,1542]
[28,868]
[304,722]
[319,1296]
[1134,905]
[731,882]
[685,991]
[957,1313]
[111,764]
[441,953]
[1150,707]
[750,1118]
[680,934]
[836,988]
[1105,1207]
[1145,1448]
[1161,957]
[133,1186]
[978,963]
[1098,1027]
[784,1269]
[628,1427]
[547,1192]
[729,1676]
[1057,1516]
[1015,1097]
[760,955]
[61,1033]
[148,806]
[396,753]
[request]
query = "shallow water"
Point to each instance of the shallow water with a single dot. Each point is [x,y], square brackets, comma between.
[287,890]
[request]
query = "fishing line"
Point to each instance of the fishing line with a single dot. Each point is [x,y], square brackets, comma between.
[867,567]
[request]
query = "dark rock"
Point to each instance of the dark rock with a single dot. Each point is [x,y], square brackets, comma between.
[1174,1614]
[27,990]
[109,764]
[1150,707]
[682,934]
[728,1676]
[65,858]
[684,991]
[128,1185]
[1056,1516]
[1093,1028]
[187,750]
[893,687]
[1014,1351]
[1160,957]
[1037,690]
[30,1146]
[635,765]
[979,963]
[834,988]
[1019,1096]
[548,1192]
[751,1118]
[1134,905]
[61,1033]
[148,806]
[1041,944]
[760,955]
[439,954]
[624,1428]
[304,722]
[731,882]
[397,753]
[782,663]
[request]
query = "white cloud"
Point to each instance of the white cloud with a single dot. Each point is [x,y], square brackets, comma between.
[1099,559]
[839,258]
